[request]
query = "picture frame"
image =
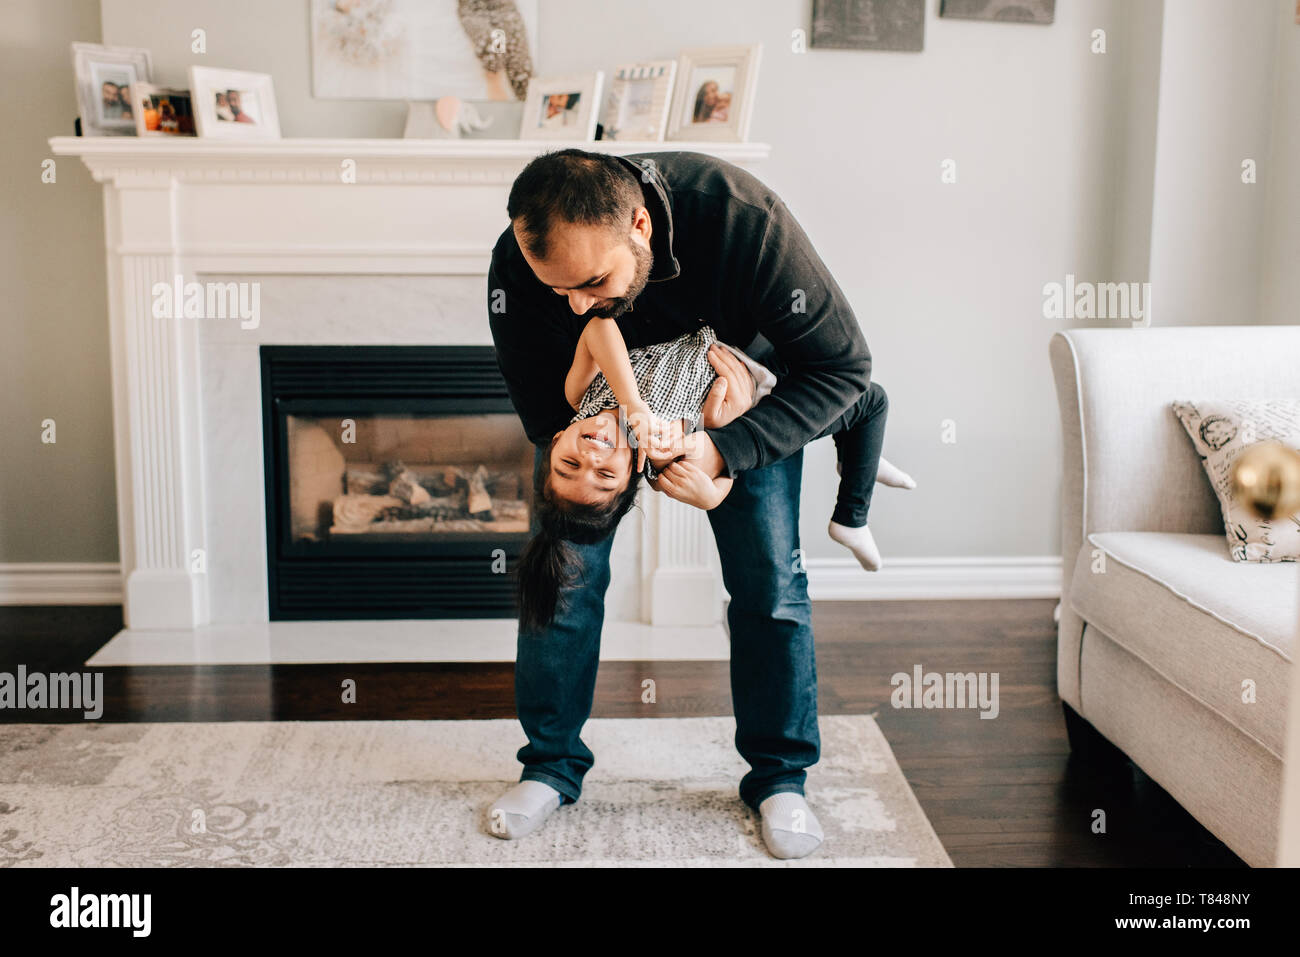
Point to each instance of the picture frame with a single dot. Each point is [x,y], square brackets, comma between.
[1003,11]
[637,101]
[562,107]
[895,25]
[234,104]
[724,111]
[162,111]
[97,68]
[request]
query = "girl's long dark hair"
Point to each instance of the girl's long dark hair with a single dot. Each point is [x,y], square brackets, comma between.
[547,563]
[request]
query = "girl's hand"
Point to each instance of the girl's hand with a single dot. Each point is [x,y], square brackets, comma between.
[672,445]
[652,432]
[688,483]
[732,394]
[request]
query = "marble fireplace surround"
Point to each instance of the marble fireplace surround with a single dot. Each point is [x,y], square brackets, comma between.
[398,255]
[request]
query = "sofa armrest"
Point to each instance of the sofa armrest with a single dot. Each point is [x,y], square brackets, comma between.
[1127,462]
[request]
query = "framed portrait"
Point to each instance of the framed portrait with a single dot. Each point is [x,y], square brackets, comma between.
[713,97]
[423,49]
[162,111]
[562,107]
[637,102]
[234,104]
[105,77]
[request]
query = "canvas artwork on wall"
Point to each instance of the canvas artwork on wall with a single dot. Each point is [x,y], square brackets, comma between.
[1010,11]
[423,49]
[868,24]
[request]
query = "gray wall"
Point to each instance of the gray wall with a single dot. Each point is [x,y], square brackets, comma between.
[56,501]
[1057,151]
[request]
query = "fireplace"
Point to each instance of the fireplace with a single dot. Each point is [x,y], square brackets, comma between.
[396,258]
[398,482]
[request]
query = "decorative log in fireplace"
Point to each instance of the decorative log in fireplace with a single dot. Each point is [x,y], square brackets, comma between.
[398,482]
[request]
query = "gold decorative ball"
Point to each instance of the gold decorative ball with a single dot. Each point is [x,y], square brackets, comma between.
[1266,478]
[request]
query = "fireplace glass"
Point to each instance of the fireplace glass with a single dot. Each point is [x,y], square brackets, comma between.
[384,478]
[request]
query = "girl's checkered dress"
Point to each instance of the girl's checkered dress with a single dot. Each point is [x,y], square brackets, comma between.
[673,378]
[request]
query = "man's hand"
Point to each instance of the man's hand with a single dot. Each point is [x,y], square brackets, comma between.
[687,483]
[732,394]
[701,452]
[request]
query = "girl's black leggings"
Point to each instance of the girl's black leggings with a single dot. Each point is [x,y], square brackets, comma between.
[859,436]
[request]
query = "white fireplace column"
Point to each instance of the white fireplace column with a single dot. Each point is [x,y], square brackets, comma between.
[193,208]
[679,580]
[157,433]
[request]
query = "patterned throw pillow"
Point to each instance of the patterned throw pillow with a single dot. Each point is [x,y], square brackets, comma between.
[1221,429]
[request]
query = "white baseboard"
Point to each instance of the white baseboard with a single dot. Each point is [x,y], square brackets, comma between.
[843,579]
[829,579]
[60,583]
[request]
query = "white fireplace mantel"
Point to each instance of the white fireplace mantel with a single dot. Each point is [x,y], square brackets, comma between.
[193,207]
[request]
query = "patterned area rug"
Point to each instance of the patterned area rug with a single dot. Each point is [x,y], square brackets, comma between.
[416,793]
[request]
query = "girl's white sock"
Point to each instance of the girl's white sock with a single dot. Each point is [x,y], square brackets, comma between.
[891,474]
[859,542]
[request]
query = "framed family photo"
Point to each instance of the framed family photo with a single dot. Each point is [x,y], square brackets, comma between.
[562,107]
[714,96]
[105,77]
[234,104]
[636,105]
[162,111]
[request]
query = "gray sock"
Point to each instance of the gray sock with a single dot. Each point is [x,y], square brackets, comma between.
[522,809]
[790,829]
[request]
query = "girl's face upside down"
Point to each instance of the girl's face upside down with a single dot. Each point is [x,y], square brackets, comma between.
[591,461]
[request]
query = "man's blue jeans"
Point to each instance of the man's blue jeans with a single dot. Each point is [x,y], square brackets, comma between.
[773,667]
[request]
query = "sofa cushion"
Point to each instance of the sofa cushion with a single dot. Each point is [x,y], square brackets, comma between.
[1220,430]
[1203,621]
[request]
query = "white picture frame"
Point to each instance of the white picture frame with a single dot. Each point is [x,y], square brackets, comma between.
[95,65]
[573,120]
[145,97]
[220,118]
[733,71]
[637,101]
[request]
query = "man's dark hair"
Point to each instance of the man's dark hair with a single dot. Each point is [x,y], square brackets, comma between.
[572,186]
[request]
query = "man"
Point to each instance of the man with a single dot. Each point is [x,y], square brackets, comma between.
[235,101]
[112,100]
[663,243]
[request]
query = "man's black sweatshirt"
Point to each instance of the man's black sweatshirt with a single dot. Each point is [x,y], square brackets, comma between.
[727,253]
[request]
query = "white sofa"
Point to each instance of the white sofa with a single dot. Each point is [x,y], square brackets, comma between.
[1153,651]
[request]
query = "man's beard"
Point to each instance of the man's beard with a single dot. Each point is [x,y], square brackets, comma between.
[616,307]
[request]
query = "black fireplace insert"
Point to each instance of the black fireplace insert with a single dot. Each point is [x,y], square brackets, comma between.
[398,482]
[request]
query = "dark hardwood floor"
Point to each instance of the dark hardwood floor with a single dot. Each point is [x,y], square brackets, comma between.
[1000,792]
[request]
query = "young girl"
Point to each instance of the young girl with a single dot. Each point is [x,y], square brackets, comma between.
[668,391]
